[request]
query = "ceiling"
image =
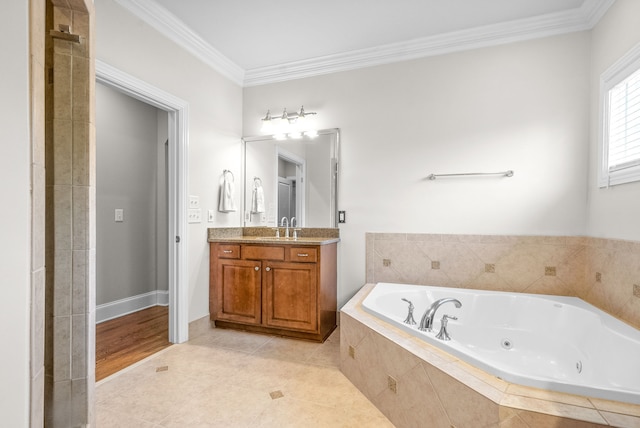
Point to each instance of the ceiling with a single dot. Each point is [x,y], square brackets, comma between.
[257,41]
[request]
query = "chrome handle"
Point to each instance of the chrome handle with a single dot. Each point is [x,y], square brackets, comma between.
[257,268]
[409,319]
[267,268]
[303,255]
[227,251]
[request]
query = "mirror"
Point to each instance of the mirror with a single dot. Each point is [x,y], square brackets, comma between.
[291,178]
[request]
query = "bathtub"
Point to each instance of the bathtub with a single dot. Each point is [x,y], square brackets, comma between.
[551,342]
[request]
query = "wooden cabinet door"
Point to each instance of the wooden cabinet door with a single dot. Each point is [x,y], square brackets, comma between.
[239,294]
[291,295]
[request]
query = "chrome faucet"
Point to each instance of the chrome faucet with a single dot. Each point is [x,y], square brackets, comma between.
[426,323]
[295,231]
[444,334]
[285,221]
[409,319]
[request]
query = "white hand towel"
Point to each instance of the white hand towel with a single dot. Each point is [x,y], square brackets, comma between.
[257,200]
[226,196]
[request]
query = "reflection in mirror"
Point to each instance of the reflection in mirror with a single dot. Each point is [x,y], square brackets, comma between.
[295,178]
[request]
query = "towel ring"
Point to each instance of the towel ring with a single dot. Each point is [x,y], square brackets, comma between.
[257,181]
[228,171]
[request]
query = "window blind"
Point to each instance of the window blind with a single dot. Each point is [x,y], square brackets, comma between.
[624,124]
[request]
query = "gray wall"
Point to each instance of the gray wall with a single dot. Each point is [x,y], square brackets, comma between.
[130,176]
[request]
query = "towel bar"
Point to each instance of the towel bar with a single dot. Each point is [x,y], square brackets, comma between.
[461,174]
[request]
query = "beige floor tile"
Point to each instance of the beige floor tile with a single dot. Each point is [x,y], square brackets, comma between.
[224,379]
[280,348]
[326,386]
[106,418]
[220,407]
[239,341]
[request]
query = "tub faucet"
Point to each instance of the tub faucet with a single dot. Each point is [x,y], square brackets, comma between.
[285,222]
[426,323]
[444,334]
[409,319]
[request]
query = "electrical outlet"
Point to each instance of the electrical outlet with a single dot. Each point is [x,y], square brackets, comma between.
[210,216]
[119,215]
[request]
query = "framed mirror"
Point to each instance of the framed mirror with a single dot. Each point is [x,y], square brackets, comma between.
[292,178]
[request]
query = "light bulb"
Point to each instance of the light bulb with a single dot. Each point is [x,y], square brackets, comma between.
[267,126]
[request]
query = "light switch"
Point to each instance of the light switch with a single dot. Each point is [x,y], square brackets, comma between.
[119,215]
[194,201]
[210,216]
[195,215]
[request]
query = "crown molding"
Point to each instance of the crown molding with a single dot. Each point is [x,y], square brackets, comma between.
[170,26]
[579,19]
[583,18]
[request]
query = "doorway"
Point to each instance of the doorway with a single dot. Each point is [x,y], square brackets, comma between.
[132,295]
[291,186]
[177,166]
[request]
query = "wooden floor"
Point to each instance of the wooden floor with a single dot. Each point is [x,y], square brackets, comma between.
[123,341]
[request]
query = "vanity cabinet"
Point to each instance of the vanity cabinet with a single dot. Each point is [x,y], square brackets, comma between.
[288,290]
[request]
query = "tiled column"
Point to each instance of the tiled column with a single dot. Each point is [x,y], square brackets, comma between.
[37,65]
[70,178]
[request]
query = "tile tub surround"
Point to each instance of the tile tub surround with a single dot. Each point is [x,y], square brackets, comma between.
[434,388]
[603,272]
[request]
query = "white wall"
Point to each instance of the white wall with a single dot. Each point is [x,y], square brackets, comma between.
[215,120]
[613,212]
[16,218]
[522,106]
[127,164]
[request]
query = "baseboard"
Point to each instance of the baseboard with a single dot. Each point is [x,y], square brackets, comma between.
[163,297]
[129,305]
[199,327]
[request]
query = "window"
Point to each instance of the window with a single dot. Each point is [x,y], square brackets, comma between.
[620,132]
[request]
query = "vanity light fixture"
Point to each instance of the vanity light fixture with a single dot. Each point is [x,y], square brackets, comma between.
[289,125]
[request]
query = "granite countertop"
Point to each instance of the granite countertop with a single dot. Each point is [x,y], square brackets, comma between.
[266,235]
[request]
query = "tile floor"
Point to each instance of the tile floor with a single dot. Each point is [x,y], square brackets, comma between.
[235,379]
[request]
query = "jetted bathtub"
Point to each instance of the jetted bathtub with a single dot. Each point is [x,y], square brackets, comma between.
[551,342]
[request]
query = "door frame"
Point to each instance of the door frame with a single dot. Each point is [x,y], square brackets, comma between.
[301,183]
[178,113]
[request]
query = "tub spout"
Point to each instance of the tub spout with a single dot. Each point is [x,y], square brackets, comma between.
[426,323]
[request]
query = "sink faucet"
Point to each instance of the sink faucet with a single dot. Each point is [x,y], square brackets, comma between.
[285,221]
[293,226]
[426,323]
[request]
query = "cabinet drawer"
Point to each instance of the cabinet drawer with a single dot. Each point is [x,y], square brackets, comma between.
[261,252]
[229,251]
[303,254]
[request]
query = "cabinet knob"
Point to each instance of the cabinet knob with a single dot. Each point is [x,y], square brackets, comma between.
[257,268]
[267,268]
